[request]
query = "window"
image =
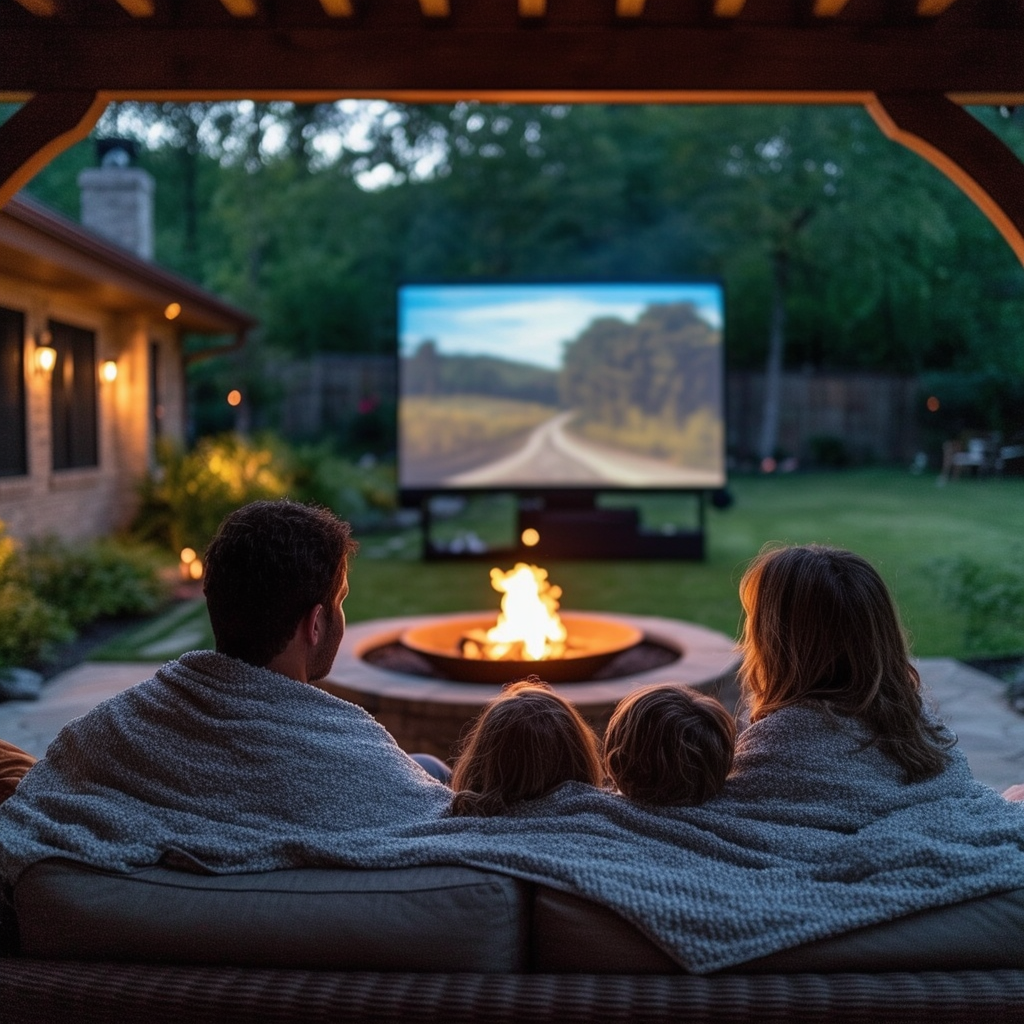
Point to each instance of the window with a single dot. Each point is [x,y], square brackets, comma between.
[156,401]
[74,386]
[13,450]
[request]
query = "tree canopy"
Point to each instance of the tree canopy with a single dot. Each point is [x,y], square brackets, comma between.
[838,248]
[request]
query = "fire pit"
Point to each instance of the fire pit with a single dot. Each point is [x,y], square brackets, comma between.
[528,636]
[592,642]
[413,674]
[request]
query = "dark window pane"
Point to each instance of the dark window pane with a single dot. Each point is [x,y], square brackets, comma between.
[13,452]
[156,397]
[74,397]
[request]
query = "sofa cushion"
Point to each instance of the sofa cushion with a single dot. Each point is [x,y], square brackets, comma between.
[980,934]
[406,919]
[570,934]
[573,935]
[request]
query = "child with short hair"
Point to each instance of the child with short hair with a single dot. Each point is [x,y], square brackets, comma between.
[527,741]
[669,745]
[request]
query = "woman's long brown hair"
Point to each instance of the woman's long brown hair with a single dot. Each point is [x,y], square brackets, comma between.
[527,741]
[821,625]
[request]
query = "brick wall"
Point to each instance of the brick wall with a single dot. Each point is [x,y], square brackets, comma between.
[93,501]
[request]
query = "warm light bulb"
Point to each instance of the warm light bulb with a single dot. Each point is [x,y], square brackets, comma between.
[195,569]
[234,397]
[188,555]
[46,358]
[108,371]
[173,311]
[530,537]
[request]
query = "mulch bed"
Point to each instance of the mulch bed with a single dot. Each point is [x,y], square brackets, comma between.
[89,638]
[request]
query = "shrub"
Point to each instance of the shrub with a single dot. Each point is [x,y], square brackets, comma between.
[990,597]
[29,626]
[355,490]
[984,400]
[184,502]
[101,579]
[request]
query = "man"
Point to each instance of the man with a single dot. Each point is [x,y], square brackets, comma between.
[228,760]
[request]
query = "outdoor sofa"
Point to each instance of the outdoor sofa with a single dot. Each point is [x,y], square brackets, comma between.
[452,944]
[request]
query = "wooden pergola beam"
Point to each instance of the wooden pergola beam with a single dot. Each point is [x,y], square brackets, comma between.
[44,127]
[435,54]
[979,163]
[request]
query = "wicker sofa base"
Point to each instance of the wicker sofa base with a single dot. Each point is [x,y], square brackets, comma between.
[44,992]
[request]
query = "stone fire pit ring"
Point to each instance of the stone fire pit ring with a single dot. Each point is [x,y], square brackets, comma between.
[429,715]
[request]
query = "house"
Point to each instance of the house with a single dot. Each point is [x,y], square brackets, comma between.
[92,355]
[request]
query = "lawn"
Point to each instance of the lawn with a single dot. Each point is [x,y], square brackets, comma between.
[906,525]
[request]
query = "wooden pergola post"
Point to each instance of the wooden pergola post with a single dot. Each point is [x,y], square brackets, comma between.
[978,162]
[44,127]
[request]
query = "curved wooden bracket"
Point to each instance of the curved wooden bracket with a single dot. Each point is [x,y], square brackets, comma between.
[44,127]
[972,157]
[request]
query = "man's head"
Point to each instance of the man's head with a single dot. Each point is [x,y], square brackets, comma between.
[269,565]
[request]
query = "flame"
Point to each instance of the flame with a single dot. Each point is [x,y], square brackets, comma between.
[529,627]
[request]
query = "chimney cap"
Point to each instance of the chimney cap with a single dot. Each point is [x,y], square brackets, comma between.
[117,152]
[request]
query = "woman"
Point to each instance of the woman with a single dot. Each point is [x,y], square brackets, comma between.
[822,630]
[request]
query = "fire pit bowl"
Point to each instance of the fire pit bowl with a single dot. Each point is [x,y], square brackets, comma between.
[592,642]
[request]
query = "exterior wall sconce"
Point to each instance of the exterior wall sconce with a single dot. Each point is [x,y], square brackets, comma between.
[108,371]
[45,354]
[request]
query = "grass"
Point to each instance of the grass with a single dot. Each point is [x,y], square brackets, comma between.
[905,525]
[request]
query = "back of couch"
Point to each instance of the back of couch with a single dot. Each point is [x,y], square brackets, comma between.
[406,919]
[436,919]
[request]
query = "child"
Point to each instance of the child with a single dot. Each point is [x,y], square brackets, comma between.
[669,745]
[527,741]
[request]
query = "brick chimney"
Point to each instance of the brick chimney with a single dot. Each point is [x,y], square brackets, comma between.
[117,197]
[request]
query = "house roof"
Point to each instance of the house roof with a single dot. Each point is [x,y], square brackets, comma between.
[39,244]
[572,49]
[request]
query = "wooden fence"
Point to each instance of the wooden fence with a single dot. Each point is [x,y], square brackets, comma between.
[864,416]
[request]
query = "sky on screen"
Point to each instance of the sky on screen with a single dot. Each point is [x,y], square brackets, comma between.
[529,323]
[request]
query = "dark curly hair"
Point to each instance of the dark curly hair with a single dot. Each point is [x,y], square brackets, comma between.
[268,565]
[669,745]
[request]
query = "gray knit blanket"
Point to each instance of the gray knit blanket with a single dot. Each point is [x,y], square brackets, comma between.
[236,769]
[216,764]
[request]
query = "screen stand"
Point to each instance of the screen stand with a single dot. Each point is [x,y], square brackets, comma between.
[573,526]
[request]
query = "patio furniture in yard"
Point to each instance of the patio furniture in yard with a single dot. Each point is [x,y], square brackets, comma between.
[1011,459]
[447,944]
[977,455]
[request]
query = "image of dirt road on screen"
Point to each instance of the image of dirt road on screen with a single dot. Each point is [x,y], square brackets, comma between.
[633,404]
